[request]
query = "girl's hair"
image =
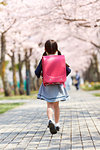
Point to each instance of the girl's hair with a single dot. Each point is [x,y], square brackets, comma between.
[51,47]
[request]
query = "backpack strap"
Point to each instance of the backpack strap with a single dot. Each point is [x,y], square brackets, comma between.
[59,53]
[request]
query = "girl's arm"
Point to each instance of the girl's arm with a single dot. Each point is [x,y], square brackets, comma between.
[38,69]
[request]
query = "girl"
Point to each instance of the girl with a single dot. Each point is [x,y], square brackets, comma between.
[52,93]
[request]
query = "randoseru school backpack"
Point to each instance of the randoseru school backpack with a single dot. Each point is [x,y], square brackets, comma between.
[54,69]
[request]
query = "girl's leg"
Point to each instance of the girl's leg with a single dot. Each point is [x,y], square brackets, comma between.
[50,108]
[51,125]
[53,106]
[56,112]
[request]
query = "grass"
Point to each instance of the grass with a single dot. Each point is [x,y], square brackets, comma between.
[33,95]
[8,106]
[97,94]
[91,86]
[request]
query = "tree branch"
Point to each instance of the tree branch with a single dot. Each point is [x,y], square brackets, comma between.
[61,6]
[9,55]
[30,51]
[98,46]
[73,20]
[30,54]
[86,25]
[79,38]
[95,45]
[89,3]
[10,26]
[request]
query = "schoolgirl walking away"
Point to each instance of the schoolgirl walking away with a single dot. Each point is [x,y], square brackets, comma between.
[52,94]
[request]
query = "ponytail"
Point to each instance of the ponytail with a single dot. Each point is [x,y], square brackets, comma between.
[67,65]
[59,53]
[44,54]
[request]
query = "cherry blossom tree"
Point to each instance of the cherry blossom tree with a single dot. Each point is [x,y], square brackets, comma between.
[73,24]
[84,23]
[68,22]
[14,71]
[3,30]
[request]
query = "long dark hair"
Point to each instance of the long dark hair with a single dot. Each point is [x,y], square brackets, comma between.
[51,47]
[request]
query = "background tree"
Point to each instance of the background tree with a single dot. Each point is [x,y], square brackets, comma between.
[73,24]
[2,62]
[20,65]
[27,64]
[14,72]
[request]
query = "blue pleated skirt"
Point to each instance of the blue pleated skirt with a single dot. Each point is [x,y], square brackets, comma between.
[53,93]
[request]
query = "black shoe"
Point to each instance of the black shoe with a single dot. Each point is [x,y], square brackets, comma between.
[57,128]
[52,127]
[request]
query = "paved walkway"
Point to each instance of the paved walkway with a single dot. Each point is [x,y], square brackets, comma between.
[25,127]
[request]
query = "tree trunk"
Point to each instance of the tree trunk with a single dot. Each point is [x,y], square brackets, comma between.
[37,80]
[7,90]
[97,67]
[14,75]
[92,73]
[27,64]
[34,83]
[31,82]
[21,89]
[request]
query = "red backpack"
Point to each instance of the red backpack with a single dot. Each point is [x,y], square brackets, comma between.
[54,69]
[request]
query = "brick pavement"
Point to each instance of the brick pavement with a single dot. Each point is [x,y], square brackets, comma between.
[25,127]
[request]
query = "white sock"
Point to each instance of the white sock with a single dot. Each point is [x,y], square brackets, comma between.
[51,120]
[57,124]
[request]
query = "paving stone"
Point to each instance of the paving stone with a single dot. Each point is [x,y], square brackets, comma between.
[25,127]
